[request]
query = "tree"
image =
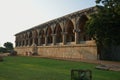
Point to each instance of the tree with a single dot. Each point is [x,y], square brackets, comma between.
[3,50]
[8,46]
[104,25]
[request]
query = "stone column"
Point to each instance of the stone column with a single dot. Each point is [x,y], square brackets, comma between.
[54,39]
[77,35]
[39,41]
[77,38]
[33,41]
[46,40]
[64,37]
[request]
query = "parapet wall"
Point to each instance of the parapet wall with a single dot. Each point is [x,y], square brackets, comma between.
[87,50]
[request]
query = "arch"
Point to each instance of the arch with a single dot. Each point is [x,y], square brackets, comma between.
[58,32]
[82,21]
[42,36]
[69,29]
[49,35]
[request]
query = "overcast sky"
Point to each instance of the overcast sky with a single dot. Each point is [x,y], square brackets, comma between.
[19,15]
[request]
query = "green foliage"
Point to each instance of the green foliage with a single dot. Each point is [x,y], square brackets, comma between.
[8,46]
[3,50]
[104,25]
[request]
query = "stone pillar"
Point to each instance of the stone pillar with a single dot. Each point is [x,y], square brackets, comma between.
[54,39]
[39,41]
[77,38]
[46,40]
[64,37]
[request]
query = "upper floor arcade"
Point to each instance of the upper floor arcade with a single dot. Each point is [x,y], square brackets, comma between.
[65,30]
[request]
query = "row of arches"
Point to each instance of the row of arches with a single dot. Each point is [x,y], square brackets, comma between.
[56,33]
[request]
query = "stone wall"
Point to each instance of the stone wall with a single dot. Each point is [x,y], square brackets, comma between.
[23,50]
[86,50]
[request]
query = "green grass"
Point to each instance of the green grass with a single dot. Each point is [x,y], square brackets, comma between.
[31,68]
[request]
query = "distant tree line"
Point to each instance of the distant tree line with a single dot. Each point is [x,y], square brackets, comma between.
[8,46]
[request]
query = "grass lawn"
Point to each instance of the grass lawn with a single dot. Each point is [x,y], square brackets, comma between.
[31,68]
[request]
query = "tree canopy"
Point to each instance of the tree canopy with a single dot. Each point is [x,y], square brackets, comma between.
[104,25]
[8,46]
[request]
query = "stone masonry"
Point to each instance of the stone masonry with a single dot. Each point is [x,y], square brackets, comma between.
[63,37]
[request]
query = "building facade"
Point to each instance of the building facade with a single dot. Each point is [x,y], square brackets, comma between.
[63,37]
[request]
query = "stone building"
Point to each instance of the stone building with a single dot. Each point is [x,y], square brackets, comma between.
[63,37]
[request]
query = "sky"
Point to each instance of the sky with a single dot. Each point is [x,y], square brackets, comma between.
[20,15]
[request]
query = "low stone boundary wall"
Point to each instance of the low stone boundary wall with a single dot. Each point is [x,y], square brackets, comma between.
[73,51]
[23,51]
[78,51]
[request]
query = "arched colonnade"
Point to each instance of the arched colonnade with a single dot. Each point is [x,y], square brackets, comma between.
[64,31]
